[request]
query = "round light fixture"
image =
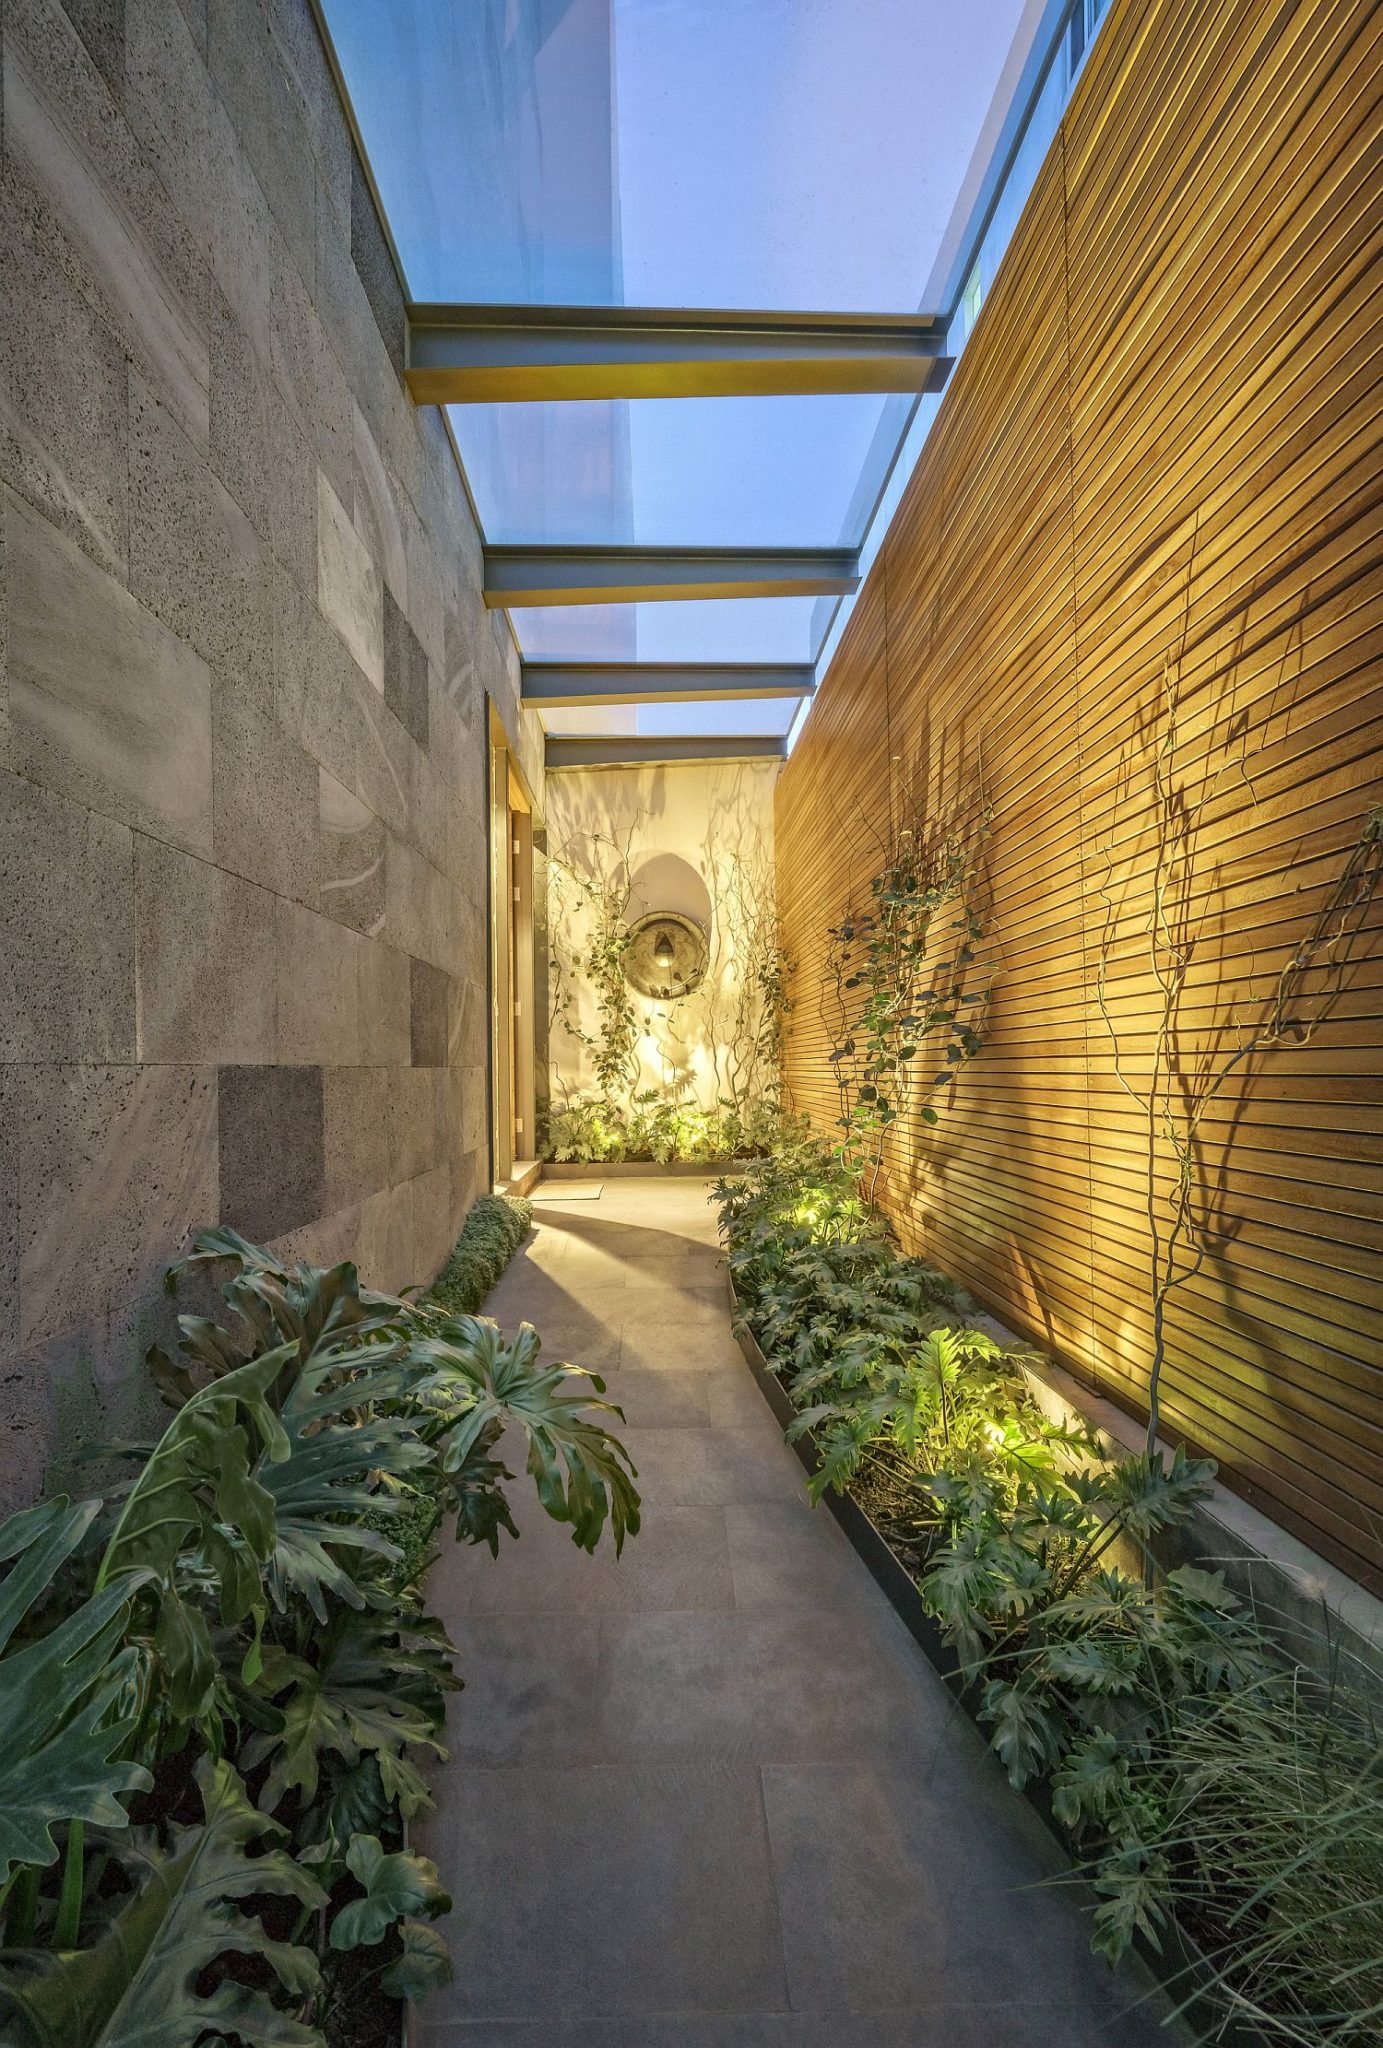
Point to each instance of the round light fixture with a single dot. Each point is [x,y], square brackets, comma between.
[666,955]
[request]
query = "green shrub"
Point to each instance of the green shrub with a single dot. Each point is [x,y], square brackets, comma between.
[662,1130]
[495,1227]
[1198,1773]
[230,1673]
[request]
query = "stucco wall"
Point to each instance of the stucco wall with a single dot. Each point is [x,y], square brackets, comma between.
[718,819]
[243,666]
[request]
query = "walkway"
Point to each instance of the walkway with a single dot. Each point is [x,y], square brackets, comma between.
[712,1796]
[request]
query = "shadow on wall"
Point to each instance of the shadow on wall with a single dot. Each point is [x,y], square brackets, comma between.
[694,838]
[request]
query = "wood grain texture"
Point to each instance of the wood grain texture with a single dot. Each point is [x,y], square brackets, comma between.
[1159,456]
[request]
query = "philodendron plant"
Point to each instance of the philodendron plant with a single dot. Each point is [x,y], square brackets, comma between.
[218,1689]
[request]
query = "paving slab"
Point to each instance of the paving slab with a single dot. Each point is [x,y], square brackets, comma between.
[711,1794]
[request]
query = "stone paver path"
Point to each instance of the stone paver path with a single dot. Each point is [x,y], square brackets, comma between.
[711,1795]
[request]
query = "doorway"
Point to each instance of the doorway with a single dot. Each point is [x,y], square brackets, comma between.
[512,1066]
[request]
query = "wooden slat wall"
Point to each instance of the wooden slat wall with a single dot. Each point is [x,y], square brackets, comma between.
[1162,444]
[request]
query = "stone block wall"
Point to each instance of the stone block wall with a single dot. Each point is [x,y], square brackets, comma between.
[244,667]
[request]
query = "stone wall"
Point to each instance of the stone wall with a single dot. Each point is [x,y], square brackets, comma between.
[243,671]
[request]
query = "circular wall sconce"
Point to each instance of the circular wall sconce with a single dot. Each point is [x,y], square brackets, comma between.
[666,955]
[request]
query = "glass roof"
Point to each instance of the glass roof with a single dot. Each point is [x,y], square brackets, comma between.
[682,629]
[807,155]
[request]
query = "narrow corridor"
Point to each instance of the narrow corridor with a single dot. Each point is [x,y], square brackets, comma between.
[711,1795]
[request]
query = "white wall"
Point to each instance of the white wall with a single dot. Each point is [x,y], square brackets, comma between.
[718,817]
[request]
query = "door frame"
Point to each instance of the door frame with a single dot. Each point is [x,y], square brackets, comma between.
[513,1093]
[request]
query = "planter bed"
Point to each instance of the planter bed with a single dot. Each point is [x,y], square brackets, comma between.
[641,1169]
[1180,1964]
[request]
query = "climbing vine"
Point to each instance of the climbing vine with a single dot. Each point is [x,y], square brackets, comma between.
[909,993]
[686,1077]
[593,898]
[1193,1061]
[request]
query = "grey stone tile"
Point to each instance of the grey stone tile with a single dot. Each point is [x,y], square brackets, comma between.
[204,940]
[405,672]
[594,1349]
[115,232]
[316,985]
[382,987]
[376,513]
[271,1148]
[299,47]
[106,705]
[475,1100]
[195,559]
[933,1893]
[429,1010]
[788,1556]
[373,263]
[734,1397]
[418,906]
[355,1133]
[349,590]
[677,1337]
[259,448]
[64,411]
[67,973]
[101,26]
[116,1166]
[264,793]
[387,1239]
[714,1467]
[11,1083]
[269,116]
[294,328]
[674,1912]
[677,1562]
[350,857]
[417,1121]
[467,1025]
[433,1235]
[769,1685]
[944,2026]
[531,1686]
[660,1400]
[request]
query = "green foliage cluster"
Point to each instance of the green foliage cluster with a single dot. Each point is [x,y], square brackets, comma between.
[899,969]
[1201,1776]
[656,1128]
[217,1688]
[495,1227]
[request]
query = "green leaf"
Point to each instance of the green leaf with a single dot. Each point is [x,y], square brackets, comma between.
[332,1476]
[1091,1782]
[1027,1736]
[395,1885]
[1136,1892]
[581,1471]
[137,1986]
[375,1689]
[424,1966]
[199,1474]
[63,1722]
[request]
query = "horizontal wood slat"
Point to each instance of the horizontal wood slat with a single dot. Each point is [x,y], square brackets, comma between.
[1161,452]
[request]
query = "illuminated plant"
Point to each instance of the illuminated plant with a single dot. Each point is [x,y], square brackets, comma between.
[897,972]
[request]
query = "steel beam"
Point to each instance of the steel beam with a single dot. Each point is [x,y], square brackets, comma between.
[548,685]
[460,355]
[632,753]
[528,576]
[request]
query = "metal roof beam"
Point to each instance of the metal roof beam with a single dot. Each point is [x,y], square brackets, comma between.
[553,685]
[632,753]
[463,355]
[544,575]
